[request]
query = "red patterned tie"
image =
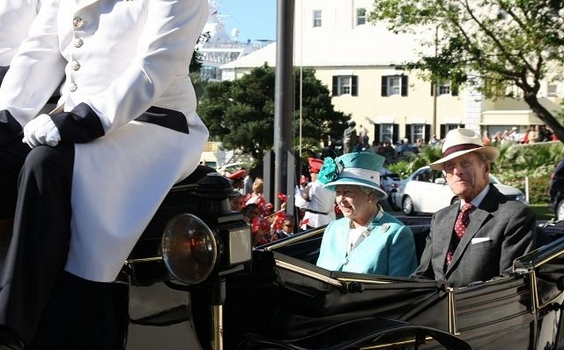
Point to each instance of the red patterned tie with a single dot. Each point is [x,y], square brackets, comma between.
[460,226]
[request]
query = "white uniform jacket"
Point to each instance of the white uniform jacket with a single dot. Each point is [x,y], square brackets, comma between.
[116,59]
[320,209]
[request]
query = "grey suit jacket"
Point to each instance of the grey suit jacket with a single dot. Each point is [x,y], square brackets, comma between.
[500,230]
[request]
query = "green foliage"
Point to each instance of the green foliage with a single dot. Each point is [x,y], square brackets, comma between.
[240,113]
[533,163]
[503,43]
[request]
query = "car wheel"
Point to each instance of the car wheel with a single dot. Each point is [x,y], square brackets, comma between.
[559,212]
[407,206]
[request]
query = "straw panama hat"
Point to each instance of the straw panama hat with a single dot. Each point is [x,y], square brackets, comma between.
[357,169]
[462,141]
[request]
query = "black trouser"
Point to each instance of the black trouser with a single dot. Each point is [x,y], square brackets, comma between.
[48,307]
[12,158]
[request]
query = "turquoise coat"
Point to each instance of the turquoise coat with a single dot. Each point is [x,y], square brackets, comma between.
[389,249]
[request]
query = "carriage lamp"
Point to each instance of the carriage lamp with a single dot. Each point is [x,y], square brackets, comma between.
[212,243]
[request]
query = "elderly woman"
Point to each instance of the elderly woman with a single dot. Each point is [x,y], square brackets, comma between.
[366,239]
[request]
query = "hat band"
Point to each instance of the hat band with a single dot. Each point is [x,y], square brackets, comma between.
[362,174]
[457,148]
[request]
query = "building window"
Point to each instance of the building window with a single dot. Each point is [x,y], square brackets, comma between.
[394,85]
[387,132]
[444,88]
[345,85]
[316,18]
[552,90]
[445,128]
[417,132]
[360,16]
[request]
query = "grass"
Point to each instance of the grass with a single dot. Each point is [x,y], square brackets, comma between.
[542,211]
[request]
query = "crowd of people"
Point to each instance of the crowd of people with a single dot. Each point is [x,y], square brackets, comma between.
[534,134]
[267,224]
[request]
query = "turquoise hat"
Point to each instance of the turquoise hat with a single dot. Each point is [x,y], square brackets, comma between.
[355,168]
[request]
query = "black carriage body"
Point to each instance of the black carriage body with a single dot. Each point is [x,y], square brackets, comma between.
[282,299]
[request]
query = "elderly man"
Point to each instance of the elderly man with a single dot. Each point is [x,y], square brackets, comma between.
[477,238]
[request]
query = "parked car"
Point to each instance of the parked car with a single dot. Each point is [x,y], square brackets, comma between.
[556,191]
[275,297]
[389,182]
[426,191]
[230,168]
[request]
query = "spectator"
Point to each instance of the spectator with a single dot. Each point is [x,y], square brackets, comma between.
[238,180]
[481,243]
[515,135]
[533,134]
[366,239]
[250,212]
[350,138]
[237,202]
[317,202]
[287,229]
[256,196]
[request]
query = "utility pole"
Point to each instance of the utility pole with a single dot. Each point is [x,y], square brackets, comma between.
[284,163]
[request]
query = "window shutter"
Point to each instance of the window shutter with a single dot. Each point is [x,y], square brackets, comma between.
[384,86]
[454,89]
[354,85]
[404,85]
[396,133]
[335,85]
[377,136]
[408,132]
[427,133]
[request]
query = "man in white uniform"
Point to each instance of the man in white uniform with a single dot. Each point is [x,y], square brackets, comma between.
[100,164]
[317,202]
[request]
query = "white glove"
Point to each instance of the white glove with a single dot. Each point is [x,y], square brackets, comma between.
[41,131]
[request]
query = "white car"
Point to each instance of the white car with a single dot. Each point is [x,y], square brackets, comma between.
[426,191]
[230,168]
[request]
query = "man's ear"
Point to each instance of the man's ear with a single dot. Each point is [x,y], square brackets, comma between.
[487,166]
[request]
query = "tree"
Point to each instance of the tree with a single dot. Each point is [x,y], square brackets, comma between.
[240,113]
[491,44]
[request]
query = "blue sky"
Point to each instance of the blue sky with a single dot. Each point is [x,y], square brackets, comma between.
[255,19]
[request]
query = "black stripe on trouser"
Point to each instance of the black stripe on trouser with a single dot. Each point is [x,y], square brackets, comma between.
[50,308]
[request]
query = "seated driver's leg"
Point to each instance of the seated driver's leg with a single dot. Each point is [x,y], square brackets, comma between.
[40,239]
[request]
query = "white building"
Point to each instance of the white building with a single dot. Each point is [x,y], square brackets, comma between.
[357,61]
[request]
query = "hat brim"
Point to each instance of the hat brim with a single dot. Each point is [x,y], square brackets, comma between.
[380,194]
[489,151]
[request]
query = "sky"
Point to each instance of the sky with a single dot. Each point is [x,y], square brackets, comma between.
[255,19]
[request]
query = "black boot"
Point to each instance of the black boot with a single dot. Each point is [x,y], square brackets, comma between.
[9,339]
